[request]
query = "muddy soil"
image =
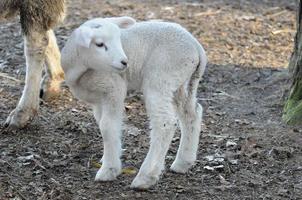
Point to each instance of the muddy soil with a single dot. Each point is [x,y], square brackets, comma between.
[245,152]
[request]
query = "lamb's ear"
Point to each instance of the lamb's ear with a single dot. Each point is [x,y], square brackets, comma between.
[83,36]
[122,22]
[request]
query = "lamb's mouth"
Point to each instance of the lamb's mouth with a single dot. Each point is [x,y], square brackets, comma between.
[120,69]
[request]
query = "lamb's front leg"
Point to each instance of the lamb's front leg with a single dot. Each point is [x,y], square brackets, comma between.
[110,116]
[35,45]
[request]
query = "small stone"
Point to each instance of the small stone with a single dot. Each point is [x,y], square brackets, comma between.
[219,159]
[234,162]
[170,157]
[180,189]
[209,158]
[132,130]
[84,130]
[124,195]
[74,110]
[231,144]
[209,168]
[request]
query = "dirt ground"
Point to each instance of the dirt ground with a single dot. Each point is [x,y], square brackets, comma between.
[245,152]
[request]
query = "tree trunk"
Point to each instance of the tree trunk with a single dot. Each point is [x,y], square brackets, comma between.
[292,113]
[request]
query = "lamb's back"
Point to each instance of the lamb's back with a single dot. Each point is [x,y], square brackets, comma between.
[159,49]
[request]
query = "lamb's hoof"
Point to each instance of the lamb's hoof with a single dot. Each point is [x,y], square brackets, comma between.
[181,167]
[50,89]
[19,118]
[143,182]
[107,174]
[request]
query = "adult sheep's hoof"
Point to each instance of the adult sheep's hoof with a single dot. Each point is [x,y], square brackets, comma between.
[50,88]
[19,118]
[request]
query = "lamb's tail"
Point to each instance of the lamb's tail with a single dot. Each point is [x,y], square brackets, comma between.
[9,9]
[197,74]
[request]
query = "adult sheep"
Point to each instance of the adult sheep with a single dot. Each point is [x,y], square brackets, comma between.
[37,18]
[105,57]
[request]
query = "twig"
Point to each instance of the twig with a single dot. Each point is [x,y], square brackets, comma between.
[44,118]
[222,93]
[207,13]
[282,31]
[9,77]
[277,14]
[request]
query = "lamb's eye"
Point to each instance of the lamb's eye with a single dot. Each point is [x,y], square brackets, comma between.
[100,44]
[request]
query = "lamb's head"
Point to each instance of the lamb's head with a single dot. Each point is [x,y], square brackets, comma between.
[99,42]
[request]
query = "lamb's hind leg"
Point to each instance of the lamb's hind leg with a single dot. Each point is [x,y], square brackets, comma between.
[35,46]
[163,123]
[190,115]
[50,86]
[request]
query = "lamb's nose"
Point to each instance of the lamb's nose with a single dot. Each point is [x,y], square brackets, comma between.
[124,62]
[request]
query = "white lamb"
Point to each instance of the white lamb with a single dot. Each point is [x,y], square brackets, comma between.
[163,61]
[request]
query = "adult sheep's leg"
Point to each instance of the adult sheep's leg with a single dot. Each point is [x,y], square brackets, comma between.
[54,75]
[163,122]
[35,44]
[190,115]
